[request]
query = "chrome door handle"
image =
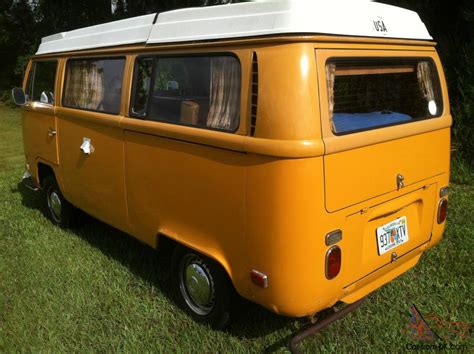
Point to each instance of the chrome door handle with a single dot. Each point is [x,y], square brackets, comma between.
[51,132]
[86,146]
[400,182]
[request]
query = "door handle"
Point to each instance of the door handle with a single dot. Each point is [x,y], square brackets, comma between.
[86,146]
[400,182]
[51,132]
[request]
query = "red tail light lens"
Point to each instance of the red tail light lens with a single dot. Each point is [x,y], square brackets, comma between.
[442,210]
[333,262]
[259,279]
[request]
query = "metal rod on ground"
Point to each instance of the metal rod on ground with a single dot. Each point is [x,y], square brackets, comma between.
[321,325]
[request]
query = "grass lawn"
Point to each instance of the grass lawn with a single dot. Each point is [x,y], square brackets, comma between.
[96,289]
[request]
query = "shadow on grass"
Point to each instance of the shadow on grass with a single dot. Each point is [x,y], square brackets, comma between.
[253,321]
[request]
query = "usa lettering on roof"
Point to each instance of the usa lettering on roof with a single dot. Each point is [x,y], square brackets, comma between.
[243,20]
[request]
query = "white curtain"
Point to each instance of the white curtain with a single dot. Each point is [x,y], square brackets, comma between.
[331,77]
[84,85]
[224,107]
[425,80]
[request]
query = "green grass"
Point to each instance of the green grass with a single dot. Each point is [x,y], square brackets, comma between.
[96,289]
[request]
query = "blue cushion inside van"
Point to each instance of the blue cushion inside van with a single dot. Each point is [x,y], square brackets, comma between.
[347,122]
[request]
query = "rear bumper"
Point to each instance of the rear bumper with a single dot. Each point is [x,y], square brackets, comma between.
[383,275]
[302,299]
[29,182]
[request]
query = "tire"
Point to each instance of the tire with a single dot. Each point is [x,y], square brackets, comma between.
[58,209]
[211,303]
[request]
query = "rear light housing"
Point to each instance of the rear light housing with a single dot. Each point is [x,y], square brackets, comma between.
[333,237]
[443,192]
[442,210]
[333,262]
[258,278]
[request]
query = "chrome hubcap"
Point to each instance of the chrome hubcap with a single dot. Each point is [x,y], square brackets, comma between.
[197,285]
[54,204]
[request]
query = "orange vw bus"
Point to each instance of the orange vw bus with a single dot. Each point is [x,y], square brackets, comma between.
[282,150]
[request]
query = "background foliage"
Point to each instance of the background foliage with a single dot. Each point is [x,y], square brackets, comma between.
[451,22]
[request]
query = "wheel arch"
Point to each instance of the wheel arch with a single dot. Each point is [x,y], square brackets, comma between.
[44,170]
[166,243]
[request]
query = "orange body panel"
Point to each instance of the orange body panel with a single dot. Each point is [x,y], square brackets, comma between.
[261,202]
[37,120]
[96,184]
[371,171]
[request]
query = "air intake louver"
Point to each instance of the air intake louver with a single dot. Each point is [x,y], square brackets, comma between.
[253,116]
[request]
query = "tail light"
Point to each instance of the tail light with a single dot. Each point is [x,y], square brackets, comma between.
[258,278]
[442,210]
[333,262]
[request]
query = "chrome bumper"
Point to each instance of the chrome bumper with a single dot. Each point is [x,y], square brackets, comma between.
[29,183]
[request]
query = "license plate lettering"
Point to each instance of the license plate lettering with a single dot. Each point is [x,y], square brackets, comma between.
[392,234]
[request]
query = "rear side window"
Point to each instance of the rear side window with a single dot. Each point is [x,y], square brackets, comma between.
[41,81]
[371,93]
[200,91]
[94,84]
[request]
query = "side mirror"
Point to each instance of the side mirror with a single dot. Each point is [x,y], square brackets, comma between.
[47,97]
[18,96]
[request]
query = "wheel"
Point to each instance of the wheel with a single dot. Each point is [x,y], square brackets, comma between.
[58,209]
[202,288]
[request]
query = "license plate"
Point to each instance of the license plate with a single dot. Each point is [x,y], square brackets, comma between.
[392,235]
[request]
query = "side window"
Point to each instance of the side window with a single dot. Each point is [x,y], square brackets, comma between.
[94,84]
[200,91]
[41,81]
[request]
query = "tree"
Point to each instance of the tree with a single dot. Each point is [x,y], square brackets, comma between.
[16,27]
[451,23]
[55,16]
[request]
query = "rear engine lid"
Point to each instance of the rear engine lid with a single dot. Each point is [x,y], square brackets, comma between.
[383,233]
[361,174]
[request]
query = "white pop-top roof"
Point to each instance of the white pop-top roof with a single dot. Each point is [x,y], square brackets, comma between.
[259,18]
[129,31]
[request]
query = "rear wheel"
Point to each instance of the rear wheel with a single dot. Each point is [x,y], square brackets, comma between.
[58,209]
[202,288]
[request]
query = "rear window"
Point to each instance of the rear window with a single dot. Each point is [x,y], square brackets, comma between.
[372,93]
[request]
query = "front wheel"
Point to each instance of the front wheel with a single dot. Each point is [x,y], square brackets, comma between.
[202,288]
[58,209]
